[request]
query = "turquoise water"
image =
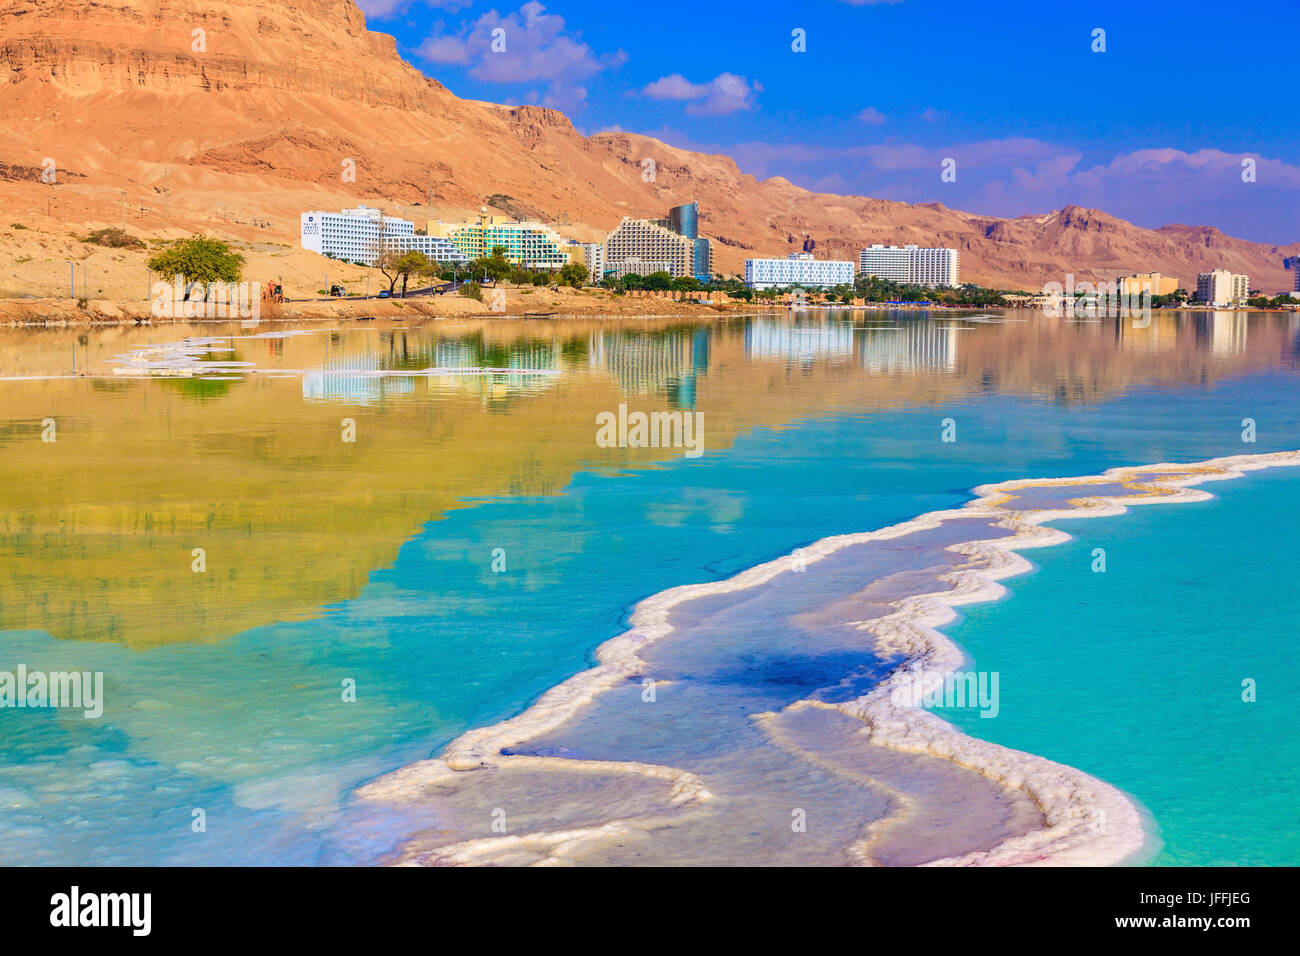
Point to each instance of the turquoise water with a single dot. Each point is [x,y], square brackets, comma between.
[251,729]
[1135,674]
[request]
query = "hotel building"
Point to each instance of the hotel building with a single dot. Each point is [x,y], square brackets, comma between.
[1155,282]
[675,240]
[638,267]
[361,234]
[800,269]
[532,245]
[910,265]
[1222,288]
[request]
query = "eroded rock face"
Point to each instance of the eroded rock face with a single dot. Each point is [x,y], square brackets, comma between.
[255,105]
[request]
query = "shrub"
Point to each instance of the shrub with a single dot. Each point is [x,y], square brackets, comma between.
[114,238]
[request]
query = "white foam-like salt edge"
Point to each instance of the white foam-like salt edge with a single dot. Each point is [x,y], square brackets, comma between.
[1088,822]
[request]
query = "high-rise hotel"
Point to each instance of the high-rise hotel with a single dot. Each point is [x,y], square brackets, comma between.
[910,265]
[674,240]
[1222,288]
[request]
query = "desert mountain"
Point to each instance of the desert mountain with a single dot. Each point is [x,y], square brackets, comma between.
[241,114]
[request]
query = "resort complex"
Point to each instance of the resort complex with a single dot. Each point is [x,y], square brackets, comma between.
[672,249]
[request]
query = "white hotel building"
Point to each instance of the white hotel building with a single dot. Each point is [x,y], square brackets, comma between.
[800,269]
[1222,288]
[910,265]
[360,234]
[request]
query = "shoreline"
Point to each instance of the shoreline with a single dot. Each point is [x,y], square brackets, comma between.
[566,304]
[1086,820]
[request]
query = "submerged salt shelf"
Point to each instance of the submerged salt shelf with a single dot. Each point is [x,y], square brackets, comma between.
[777,717]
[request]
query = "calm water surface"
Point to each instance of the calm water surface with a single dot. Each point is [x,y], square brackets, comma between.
[473,544]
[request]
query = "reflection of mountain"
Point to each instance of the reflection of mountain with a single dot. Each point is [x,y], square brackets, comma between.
[98,528]
[909,346]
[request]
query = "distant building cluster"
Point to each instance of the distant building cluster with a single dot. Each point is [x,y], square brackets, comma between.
[364,233]
[672,245]
[634,247]
[905,265]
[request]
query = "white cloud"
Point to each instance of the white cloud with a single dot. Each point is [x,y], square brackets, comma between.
[871,116]
[725,93]
[528,46]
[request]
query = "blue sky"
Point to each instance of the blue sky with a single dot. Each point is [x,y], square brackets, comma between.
[1154,129]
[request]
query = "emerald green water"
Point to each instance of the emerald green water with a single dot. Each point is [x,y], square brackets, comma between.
[1137,674]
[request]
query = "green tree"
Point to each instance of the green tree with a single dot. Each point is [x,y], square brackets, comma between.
[495,267]
[574,274]
[395,265]
[199,259]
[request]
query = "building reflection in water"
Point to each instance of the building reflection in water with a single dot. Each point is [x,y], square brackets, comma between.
[798,338]
[666,362]
[910,346]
